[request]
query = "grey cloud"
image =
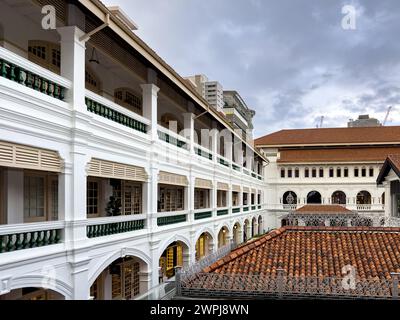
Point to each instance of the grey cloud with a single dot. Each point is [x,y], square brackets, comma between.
[284,57]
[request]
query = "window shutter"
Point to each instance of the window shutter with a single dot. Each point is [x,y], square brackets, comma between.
[108,169]
[235,188]
[172,178]
[222,186]
[202,183]
[20,156]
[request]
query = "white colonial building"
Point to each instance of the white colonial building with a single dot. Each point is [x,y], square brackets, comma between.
[113,170]
[327,166]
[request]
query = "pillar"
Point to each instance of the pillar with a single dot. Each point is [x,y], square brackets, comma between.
[73,65]
[388,200]
[150,198]
[80,280]
[188,119]
[154,279]
[190,198]
[150,97]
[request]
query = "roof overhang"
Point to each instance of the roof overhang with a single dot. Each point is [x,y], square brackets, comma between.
[387,166]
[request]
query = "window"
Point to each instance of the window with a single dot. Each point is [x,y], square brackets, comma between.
[363,172]
[132,199]
[245,198]
[92,196]
[306,173]
[282,173]
[171,198]
[356,172]
[314,172]
[221,198]
[338,172]
[253,199]
[34,198]
[259,198]
[40,197]
[346,172]
[129,99]
[91,81]
[321,172]
[235,198]
[331,173]
[45,54]
[290,173]
[371,172]
[201,198]
[296,173]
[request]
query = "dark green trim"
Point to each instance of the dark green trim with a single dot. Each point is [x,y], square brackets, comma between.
[31,80]
[107,229]
[203,154]
[108,113]
[30,239]
[163,221]
[235,210]
[202,215]
[171,140]
[222,212]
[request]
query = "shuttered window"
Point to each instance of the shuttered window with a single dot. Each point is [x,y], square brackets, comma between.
[20,156]
[172,178]
[107,169]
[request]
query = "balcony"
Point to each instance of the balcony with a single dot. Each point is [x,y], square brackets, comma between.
[20,70]
[172,138]
[203,152]
[30,235]
[109,110]
[202,214]
[222,211]
[168,218]
[99,227]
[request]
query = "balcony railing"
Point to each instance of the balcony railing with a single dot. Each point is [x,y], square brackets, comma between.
[246,208]
[235,167]
[203,152]
[172,138]
[20,70]
[29,235]
[100,227]
[222,212]
[110,110]
[223,161]
[202,215]
[235,209]
[170,219]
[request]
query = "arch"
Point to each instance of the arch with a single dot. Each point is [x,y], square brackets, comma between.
[363,197]
[114,256]
[205,230]
[41,281]
[289,197]
[253,226]
[338,197]
[204,245]
[236,232]
[314,197]
[223,236]
[260,224]
[175,238]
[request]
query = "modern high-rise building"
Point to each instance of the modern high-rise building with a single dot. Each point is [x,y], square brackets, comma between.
[211,91]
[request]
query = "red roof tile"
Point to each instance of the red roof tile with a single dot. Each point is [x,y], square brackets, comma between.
[322,136]
[319,251]
[319,208]
[327,155]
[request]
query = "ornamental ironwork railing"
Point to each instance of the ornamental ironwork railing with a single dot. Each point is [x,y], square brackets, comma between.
[164,221]
[29,239]
[106,229]
[281,286]
[113,115]
[31,80]
[350,219]
[245,209]
[235,167]
[223,162]
[206,261]
[392,222]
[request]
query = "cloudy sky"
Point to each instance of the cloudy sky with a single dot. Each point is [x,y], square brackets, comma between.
[290,60]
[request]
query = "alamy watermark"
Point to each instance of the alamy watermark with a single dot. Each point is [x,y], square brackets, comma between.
[349,20]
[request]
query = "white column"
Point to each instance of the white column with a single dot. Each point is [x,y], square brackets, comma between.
[213,200]
[145,280]
[108,286]
[388,200]
[150,198]
[190,198]
[80,280]
[229,199]
[73,65]
[150,97]
[14,195]
[188,119]
[154,244]
[214,144]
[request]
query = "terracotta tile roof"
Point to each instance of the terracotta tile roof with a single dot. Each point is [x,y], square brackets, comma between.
[317,251]
[320,208]
[392,162]
[322,136]
[328,155]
